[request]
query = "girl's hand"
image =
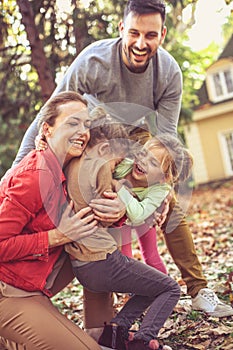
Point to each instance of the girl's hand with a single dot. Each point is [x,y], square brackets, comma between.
[160,214]
[40,143]
[73,227]
[160,217]
[109,209]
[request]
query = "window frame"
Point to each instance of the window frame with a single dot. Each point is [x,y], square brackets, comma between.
[227,152]
[219,69]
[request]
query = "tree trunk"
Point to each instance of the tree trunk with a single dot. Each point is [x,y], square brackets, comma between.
[39,60]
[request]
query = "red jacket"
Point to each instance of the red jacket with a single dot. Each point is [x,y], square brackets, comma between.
[32,197]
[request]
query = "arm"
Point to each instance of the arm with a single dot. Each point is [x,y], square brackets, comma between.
[106,209]
[104,184]
[28,142]
[167,93]
[109,208]
[138,211]
[20,211]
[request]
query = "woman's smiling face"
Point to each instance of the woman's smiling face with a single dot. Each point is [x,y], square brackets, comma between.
[69,136]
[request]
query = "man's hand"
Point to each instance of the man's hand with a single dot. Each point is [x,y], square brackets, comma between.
[109,209]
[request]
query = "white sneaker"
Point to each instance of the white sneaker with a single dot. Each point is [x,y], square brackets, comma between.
[207,301]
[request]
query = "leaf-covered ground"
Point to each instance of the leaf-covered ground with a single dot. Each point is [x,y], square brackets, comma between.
[210,216]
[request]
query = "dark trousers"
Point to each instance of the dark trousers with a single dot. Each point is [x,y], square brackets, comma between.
[150,288]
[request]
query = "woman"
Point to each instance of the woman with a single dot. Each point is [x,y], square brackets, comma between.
[35,222]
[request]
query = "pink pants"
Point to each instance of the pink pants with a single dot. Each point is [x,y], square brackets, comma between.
[148,245]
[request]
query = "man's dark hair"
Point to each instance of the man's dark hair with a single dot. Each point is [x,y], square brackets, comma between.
[142,7]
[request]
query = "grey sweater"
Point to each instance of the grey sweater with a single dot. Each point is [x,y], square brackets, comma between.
[99,73]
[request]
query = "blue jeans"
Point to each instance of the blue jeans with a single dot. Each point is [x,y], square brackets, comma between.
[150,288]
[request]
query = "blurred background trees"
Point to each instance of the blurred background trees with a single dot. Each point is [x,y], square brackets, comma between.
[40,38]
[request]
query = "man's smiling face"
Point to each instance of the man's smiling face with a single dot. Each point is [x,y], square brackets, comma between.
[141,37]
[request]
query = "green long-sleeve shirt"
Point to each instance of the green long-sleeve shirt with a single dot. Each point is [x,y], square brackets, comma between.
[140,202]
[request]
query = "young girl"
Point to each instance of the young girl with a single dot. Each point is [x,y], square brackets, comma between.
[150,176]
[100,266]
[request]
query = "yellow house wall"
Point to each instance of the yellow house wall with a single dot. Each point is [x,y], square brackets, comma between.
[194,144]
[209,135]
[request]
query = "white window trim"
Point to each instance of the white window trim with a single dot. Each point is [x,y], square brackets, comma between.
[219,68]
[224,151]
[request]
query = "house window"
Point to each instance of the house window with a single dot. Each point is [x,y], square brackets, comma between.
[229,143]
[227,151]
[217,84]
[223,84]
[219,81]
[229,81]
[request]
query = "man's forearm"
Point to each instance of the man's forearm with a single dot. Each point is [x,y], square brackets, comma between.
[28,142]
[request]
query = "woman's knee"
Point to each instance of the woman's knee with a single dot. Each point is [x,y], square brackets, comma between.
[29,328]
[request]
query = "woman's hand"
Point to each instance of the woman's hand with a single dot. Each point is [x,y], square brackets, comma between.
[109,209]
[40,143]
[73,227]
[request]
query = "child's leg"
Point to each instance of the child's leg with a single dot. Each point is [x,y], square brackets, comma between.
[150,287]
[126,241]
[122,234]
[149,248]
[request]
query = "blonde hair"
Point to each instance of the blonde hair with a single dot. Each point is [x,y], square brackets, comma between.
[139,134]
[177,161]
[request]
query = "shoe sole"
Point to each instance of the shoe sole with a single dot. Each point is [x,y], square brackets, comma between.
[217,314]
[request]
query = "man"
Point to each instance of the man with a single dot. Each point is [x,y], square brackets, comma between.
[134,70]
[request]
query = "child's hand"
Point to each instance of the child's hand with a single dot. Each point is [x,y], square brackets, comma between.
[40,144]
[160,217]
[160,214]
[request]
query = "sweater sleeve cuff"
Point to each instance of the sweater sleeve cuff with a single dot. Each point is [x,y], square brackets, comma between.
[124,195]
[42,249]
